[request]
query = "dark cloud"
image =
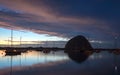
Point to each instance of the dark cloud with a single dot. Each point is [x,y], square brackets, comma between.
[102,10]
[93,8]
[65,18]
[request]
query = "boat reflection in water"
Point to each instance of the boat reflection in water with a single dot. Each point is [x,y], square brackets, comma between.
[73,62]
[12,52]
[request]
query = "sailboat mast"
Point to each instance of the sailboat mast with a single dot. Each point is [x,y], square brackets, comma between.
[11,38]
[20,41]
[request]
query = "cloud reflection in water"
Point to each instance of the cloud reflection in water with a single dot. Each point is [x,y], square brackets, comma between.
[102,63]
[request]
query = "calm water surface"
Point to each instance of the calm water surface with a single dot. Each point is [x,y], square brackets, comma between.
[60,63]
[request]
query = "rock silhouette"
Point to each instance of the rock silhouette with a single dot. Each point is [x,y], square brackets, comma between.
[78,43]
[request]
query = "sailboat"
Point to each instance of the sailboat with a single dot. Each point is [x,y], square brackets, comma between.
[11,51]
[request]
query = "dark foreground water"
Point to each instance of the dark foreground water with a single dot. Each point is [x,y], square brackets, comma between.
[60,63]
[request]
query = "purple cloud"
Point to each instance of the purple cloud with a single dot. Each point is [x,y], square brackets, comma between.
[65,18]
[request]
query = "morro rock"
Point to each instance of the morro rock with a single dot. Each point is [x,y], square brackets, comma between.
[78,43]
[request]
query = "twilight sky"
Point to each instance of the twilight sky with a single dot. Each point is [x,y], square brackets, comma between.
[97,19]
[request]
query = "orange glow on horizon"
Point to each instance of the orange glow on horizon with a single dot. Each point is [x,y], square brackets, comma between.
[18,42]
